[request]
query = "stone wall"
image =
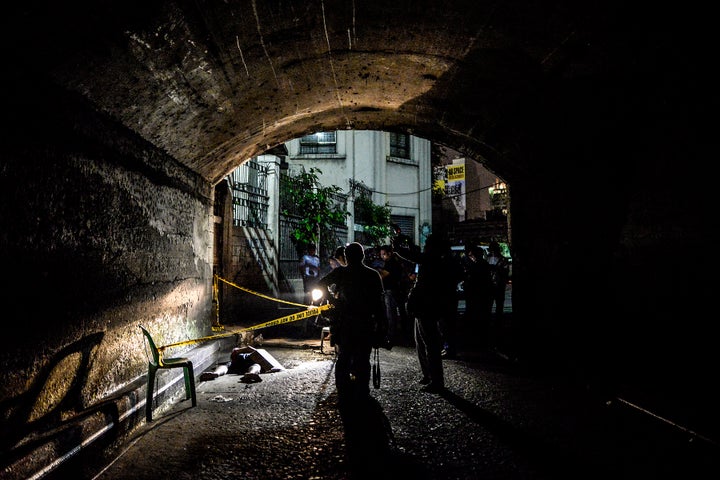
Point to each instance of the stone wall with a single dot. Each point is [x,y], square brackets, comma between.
[101,232]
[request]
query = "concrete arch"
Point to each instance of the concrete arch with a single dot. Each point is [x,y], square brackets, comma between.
[122,116]
[201,81]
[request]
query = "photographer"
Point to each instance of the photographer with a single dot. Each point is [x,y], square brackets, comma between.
[359,321]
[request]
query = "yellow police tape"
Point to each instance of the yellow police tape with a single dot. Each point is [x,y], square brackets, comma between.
[310,312]
[260,294]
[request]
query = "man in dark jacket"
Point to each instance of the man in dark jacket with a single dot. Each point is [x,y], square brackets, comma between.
[359,321]
[358,325]
[478,291]
[433,302]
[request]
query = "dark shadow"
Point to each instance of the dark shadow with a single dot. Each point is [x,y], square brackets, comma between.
[547,458]
[495,361]
[370,444]
[16,412]
[609,443]
[86,463]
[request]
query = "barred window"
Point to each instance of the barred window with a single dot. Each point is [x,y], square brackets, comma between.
[399,145]
[320,142]
[250,196]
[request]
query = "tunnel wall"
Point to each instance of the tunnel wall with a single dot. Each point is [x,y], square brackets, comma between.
[613,214]
[101,232]
[612,241]
[252,261]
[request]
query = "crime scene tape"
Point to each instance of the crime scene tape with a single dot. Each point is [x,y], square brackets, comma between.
[260,294]
[310,312]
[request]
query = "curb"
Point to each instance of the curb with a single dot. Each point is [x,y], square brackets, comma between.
[111,420]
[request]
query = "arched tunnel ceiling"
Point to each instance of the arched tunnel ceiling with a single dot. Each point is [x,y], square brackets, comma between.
[215,82]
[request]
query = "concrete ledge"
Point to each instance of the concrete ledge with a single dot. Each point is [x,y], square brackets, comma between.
[106,425]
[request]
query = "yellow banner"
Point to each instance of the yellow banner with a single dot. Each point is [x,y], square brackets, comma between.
[455,173]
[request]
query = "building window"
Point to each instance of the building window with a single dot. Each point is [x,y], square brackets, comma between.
[498,199]
[250,195]
[400,145]
[320,142]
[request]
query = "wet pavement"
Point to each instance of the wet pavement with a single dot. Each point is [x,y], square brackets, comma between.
[496,420]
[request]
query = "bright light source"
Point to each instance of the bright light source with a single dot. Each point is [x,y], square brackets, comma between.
[317,294]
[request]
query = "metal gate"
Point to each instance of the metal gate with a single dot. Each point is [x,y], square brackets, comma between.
[288,257]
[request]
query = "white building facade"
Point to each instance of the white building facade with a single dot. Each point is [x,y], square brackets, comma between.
[254,249]
[395,167]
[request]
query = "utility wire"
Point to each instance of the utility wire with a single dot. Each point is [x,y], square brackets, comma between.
[430,188]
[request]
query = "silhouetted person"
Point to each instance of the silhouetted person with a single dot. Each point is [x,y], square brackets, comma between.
[338,258]
[448,322]
[499,274]
[358,325]
[433,299]
[477,287]
[392,272]
[310,270]
[400,241]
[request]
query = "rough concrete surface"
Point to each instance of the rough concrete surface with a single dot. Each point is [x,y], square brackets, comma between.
[496,420]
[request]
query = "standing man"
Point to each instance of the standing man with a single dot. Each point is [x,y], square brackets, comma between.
[478,286]
[392,272]
[499,275]
[359,323]
[433,302]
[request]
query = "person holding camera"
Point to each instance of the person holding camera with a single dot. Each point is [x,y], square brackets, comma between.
[359,323]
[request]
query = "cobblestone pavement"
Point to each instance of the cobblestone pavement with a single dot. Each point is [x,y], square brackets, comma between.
[494,421]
